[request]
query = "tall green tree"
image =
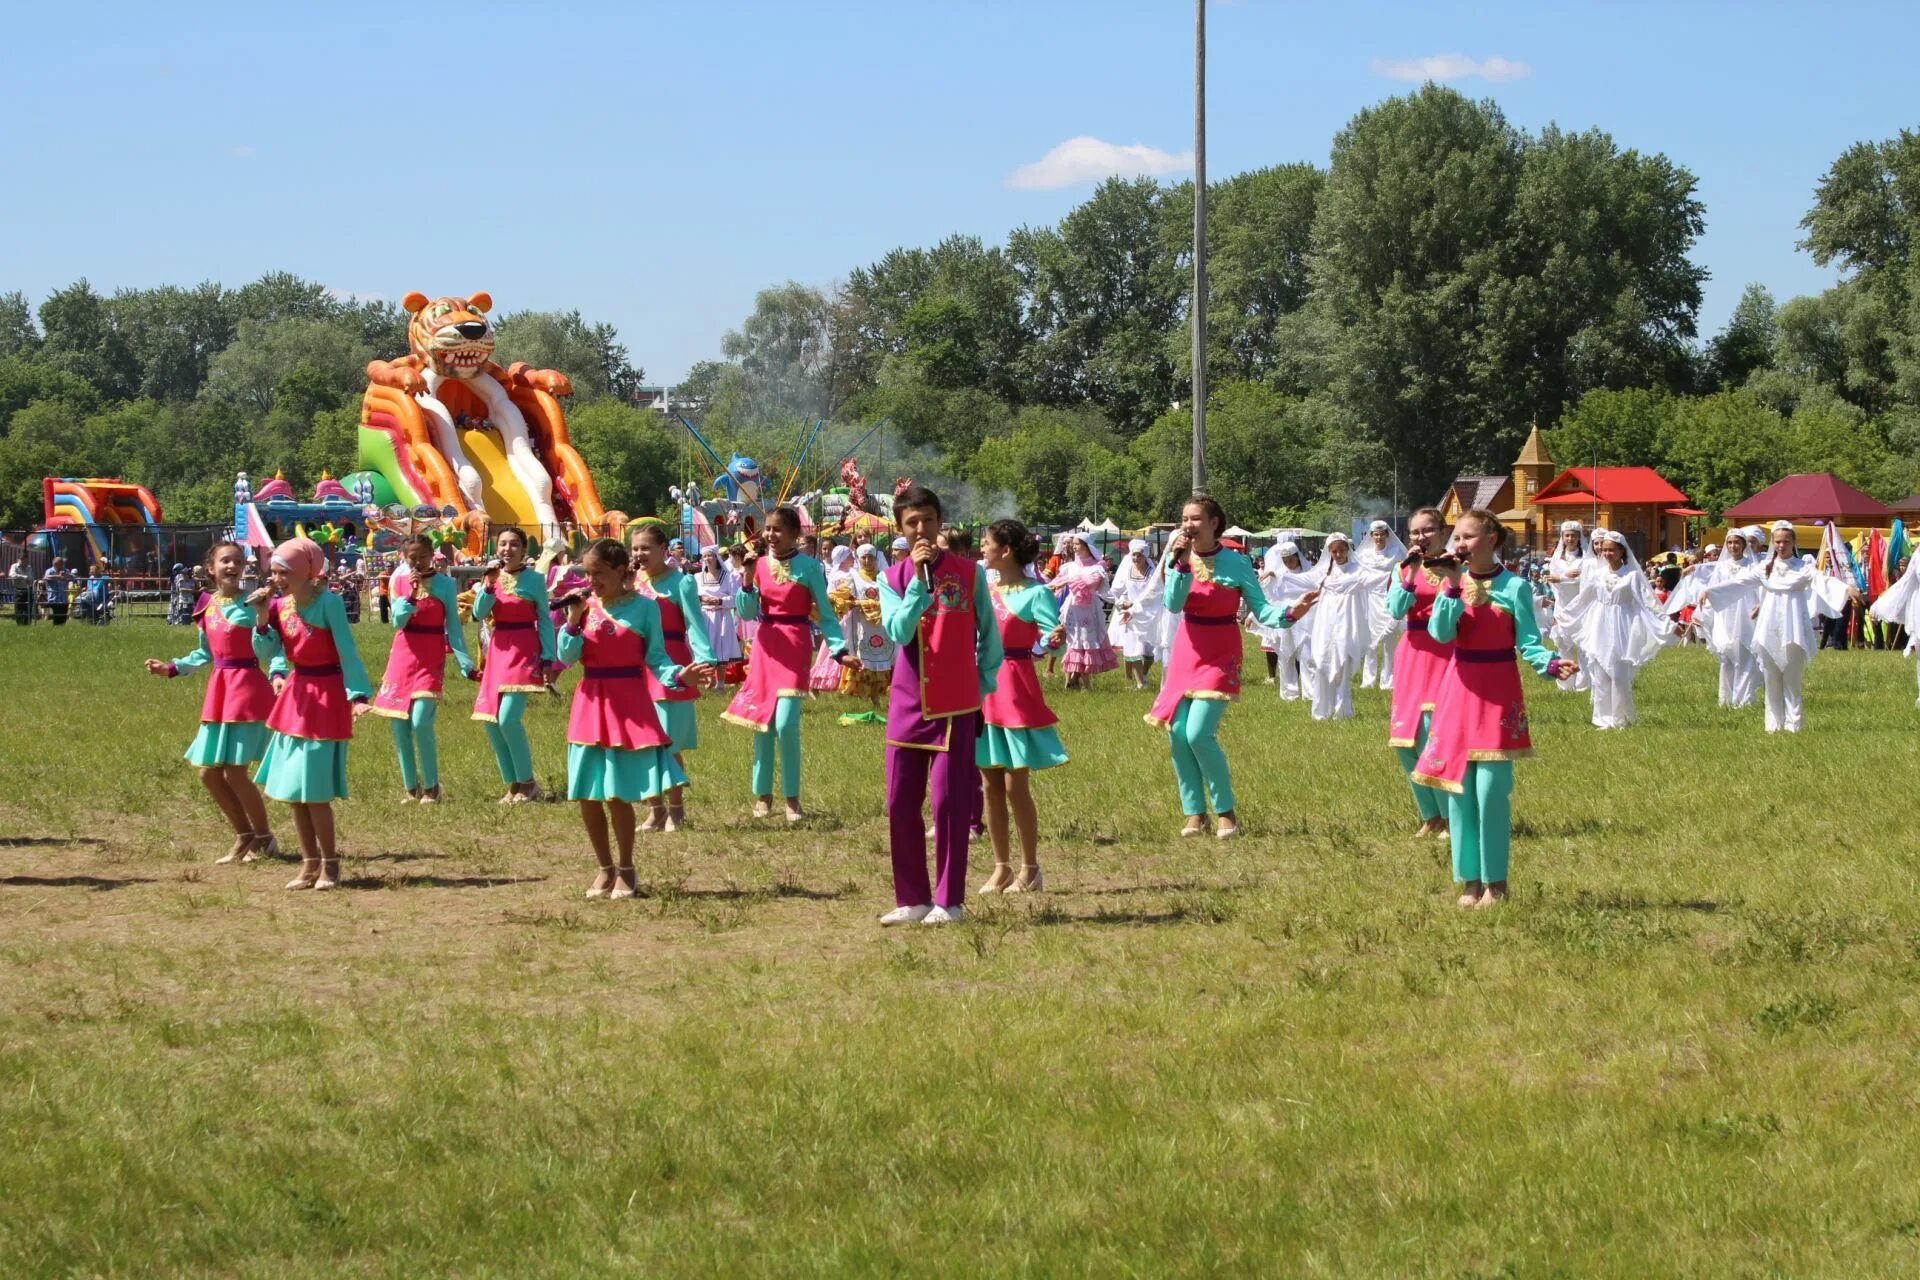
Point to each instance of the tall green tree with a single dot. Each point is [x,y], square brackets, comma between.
[591,355]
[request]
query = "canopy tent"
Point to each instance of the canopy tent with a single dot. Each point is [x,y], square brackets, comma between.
[1810,497]
[1235,531]
[1107,527]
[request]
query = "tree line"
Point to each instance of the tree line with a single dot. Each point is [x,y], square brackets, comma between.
[1385,323]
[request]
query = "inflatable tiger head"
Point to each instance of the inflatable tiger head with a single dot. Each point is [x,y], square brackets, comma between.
[451,336]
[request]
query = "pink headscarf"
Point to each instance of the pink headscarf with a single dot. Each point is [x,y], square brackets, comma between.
[301,557]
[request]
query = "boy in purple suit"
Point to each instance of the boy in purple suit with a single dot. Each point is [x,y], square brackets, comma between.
[936,606]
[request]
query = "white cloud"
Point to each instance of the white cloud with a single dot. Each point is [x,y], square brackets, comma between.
[242,152]
[1450,66]
[1080,160]
[348,295]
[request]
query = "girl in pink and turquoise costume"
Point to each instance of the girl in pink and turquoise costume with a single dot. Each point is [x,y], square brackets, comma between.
[1017,737]
[233,716]
[1419,661]
[784,594]
[426,621]
[1206,586]
[617,752]
[1485,616]
[682,627]
[321,688]
[513,599]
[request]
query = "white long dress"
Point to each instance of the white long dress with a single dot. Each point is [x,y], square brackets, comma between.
[1728,591]
[1619,632]
[1792,593]
[1292,647]
[722,626]
[1380,566]
[1563,572]
[1339,627]
[1137,605]
[1899,605]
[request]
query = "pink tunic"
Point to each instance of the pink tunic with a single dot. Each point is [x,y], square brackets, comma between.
[513,651]
[417,664]
[313,703]
[613,705]
[1017,701]
[238,692]
[1480,711]
[1206,657]
[782,649]
[1420,661]
[673,636]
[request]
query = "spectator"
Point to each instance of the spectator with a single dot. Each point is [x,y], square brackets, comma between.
[20,580]
[55,583]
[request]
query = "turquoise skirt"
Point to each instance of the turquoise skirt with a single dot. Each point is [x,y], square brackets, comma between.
[303,770]
[681,724]
[241,742]
[610,773]
[1032,749]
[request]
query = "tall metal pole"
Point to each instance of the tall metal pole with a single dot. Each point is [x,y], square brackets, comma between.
[1200,246]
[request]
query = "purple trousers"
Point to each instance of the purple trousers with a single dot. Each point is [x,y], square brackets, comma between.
[956,783]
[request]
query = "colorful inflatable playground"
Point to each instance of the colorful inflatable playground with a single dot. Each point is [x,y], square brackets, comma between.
[97,507]
[445,427]
[451,444]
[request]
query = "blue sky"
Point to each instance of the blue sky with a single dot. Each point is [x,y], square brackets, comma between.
[654,165]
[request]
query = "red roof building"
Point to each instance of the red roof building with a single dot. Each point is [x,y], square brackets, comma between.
[1805,499]
[1635,501]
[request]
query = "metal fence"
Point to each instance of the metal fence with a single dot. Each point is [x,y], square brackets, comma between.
[106,571]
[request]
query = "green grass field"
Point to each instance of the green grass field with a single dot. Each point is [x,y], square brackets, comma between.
[1687,1046]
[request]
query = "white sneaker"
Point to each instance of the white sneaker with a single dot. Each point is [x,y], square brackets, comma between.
[906,915]
[944,915]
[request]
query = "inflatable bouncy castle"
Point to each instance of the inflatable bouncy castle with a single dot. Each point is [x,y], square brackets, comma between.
[93,504]
[446,427]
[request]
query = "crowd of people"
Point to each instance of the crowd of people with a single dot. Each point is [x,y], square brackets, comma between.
[952,646]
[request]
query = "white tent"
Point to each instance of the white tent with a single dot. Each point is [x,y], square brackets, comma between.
[1105,526]
[1235,531]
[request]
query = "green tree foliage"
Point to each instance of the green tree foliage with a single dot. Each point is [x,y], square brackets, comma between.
[633,454]
[1477,279]
[1265,450]
[179,388]
[591,355]
[1746,345]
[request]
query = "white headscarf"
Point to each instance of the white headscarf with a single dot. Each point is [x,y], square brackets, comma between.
[1377,559]
[1561,560]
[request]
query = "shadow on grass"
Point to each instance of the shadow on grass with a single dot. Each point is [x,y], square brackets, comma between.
[70,882]
[1587,900]
[671,893]
[407,880]
[33,842]
[1172,915]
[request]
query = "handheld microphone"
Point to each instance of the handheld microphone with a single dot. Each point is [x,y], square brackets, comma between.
[926,575]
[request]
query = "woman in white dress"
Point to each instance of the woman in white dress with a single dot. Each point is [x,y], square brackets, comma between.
[1563,577]
[1285,578]
[1135,593]
[1379,555]
[1727,589]
[1620,631]
[1899,605]
[1792,593]
[1340,627]
[1083,614]
[717,587]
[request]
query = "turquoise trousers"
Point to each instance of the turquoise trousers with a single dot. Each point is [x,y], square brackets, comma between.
[414,737]
[1199,765]
[1480,820]
[1425,799]
[784,738]
[508,738]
